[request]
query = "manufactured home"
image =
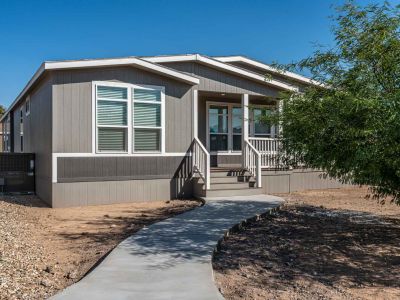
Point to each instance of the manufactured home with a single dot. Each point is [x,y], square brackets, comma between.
[153,128]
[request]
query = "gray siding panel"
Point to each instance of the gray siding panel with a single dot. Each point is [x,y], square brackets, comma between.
[296,180]
[72,107]
[37,134]
[221,160]
[214,80]
[79,169]
[109,192]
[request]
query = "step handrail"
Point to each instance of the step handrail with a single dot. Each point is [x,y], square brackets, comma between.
[252,161]
[201,161]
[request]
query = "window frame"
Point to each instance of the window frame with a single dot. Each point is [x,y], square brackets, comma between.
[28,105]
[230,133]
[252,131]
[161,128]
[130,117]
[21,129]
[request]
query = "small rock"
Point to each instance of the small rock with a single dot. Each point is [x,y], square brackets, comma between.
[45,282]
[168,202]
[49,269]
[72,274]
[113,225]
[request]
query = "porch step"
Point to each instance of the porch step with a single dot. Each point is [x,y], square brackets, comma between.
[224,173]
[234,192]
[230,179]
[227,182]
[228,186]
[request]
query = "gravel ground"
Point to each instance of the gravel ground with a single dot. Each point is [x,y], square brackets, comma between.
[43,250]
[329,244]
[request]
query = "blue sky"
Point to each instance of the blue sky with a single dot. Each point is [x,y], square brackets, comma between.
[34,31]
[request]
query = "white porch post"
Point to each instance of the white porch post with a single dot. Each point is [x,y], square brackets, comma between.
[245,123]
[195,113]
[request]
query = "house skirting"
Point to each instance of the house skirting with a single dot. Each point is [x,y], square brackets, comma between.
[121,191]
[296,180]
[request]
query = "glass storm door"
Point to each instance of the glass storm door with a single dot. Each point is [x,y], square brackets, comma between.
[218,117]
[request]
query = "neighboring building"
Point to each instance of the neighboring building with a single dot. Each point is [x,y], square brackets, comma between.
[152,128]
[1,138]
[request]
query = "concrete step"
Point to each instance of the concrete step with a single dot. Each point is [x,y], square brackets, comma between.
[232,173]
[225,179]
[228,186]
[229,179]
[234,192]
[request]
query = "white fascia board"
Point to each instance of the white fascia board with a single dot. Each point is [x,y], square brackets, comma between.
[132,61]
[170,58]
[266,67]
[222,66]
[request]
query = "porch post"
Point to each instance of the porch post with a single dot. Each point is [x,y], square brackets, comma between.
[195,113]
[245,123]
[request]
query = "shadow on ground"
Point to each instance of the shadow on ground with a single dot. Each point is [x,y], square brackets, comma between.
[331,247]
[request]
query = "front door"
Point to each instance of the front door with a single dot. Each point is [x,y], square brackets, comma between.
[224,127]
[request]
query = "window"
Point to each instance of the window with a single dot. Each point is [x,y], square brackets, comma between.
[147,119]
[218,127]
[28,106]
[237,128]
[129,118]
[257,127]
[112,119]
[21,129]
[6,133]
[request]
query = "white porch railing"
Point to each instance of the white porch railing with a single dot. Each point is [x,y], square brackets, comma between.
[268,149]
[201,161]
[252,161]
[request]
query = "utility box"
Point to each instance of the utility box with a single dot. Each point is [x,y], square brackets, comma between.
[17,172]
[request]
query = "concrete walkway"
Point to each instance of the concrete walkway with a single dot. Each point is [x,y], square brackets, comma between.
[170,259]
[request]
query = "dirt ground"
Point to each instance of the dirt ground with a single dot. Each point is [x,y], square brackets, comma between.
[43,250]
[327,244]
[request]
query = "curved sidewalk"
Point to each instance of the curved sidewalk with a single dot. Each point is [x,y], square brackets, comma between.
[170,259]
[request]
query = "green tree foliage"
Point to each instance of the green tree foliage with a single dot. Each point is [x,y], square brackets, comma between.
[350,126]
[2,110]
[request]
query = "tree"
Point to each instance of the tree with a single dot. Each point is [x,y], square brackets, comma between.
[349,126]
[2,110]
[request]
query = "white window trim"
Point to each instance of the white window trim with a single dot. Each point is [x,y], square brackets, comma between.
[28,105]
[130,116]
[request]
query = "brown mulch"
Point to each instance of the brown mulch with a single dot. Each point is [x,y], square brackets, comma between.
[43,250]
[329,244]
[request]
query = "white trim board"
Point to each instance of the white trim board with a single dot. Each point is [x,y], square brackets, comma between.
[221,66]
[129,61]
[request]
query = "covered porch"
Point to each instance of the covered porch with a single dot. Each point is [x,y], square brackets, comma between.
[229,134]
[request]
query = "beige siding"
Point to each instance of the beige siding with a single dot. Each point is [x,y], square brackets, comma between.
[72,107]
[108,192]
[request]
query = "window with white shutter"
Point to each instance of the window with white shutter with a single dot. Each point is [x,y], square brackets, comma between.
[112,119]
[146,120]
[129,118]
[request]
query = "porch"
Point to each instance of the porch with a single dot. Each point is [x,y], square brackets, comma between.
[230,136]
